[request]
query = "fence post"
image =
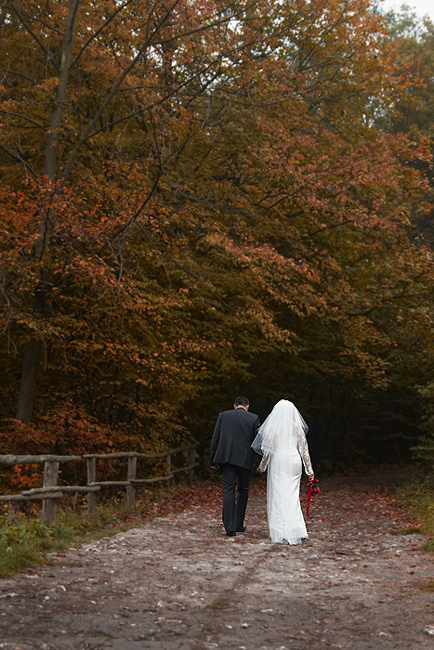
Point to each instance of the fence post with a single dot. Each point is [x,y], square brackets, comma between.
[91,496]
[191,460]
[131,475]
[51,471]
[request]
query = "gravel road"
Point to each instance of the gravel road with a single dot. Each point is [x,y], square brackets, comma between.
[180,583]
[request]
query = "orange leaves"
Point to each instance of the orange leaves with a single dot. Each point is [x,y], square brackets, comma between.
[224,196]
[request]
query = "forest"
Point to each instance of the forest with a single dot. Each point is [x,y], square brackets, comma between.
[201,199]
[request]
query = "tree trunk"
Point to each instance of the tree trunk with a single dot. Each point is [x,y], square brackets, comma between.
[33,349]
[57,114]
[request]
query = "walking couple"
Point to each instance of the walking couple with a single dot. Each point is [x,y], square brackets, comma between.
[281,441]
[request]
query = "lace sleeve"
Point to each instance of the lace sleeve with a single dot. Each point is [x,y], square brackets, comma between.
[264,462]
[304,451]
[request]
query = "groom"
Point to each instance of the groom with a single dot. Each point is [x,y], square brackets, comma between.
[231,451]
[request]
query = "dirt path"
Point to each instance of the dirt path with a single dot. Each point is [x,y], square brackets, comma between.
[179,583]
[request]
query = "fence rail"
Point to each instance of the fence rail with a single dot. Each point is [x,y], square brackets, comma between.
[51,492]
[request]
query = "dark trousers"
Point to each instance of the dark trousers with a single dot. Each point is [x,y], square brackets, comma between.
[237,479]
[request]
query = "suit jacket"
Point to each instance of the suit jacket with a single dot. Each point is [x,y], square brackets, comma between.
[233,434]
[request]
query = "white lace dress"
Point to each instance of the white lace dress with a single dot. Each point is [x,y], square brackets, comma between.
[285,518]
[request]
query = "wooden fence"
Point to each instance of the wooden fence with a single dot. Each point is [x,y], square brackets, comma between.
[50,492]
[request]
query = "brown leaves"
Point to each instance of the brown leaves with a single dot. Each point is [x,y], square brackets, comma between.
[224,197]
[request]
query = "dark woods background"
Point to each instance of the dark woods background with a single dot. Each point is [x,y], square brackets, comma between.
[347,426]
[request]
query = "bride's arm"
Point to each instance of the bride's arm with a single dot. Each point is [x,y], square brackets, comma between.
[264,462]
[304,453]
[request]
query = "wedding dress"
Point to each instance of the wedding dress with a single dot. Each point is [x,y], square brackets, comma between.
[282,442]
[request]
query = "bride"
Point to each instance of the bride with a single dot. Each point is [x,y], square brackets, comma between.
[281,441]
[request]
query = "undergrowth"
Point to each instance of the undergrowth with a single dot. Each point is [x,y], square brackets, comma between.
[418,500]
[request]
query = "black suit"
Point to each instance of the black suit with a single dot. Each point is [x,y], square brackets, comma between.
[231,450]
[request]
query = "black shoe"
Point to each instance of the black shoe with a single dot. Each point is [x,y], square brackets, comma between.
[242,529]
[230,534]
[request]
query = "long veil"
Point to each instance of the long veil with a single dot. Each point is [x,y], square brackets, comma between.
[282,442]
[282,428]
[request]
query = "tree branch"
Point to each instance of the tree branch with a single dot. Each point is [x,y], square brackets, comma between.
[87,133]
[149,40]
[32,34]
[396,296]
[8,71]
[23,117]
[99,30]
[16,156]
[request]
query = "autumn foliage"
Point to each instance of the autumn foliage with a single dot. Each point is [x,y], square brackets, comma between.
[198,200]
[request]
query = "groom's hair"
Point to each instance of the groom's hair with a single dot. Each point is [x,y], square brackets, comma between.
[242,401]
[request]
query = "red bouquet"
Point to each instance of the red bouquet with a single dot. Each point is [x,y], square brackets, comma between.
[311,490]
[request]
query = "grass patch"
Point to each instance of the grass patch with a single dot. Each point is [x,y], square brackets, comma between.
[219,603]
[24,542]
[428,585]
[428,546]
[410,530]
[418,501]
